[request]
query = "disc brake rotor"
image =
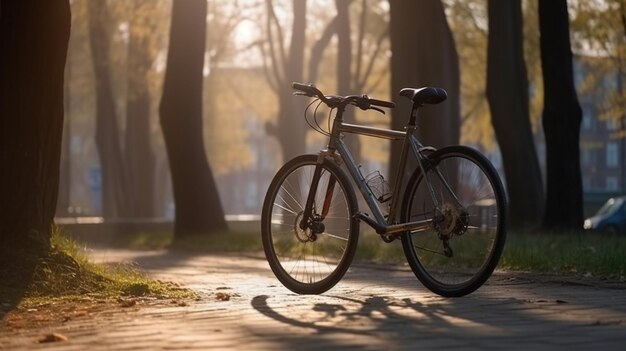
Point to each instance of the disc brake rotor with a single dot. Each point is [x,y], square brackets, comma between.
[450,219]
[445,220]
[303,235]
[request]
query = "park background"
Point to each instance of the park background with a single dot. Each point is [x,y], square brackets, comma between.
[164,118]
[114,163]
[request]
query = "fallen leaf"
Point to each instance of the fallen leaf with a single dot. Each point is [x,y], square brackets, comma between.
[52,337]
[222,296]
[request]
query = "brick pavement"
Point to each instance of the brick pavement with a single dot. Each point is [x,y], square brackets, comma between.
[375,307]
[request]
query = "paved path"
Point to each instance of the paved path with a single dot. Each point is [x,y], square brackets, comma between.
[373,308]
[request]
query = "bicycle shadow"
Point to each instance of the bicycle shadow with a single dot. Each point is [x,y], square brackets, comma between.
[376,309]
[503,316]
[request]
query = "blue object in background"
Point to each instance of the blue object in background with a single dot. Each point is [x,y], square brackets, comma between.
[611,217]
[95,185]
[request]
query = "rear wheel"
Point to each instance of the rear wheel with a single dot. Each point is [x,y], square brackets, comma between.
[467,209]
[312,259]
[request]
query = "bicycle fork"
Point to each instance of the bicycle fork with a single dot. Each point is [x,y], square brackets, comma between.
[309,218]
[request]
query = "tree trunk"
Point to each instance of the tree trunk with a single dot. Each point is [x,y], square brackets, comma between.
[291,130]
[198,208]
[561,119]
[114,190]
[65,166]
[33,40]
[344,72]
[507,92]
[424,54]
[140,160]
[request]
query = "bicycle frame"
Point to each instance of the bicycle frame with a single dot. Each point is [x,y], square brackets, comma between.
[337,150]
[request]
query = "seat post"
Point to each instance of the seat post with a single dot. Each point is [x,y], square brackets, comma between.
[413,117]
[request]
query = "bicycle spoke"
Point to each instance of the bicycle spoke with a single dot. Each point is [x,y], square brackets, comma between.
[292,197]
[335,236]
[429,250]
[285,208]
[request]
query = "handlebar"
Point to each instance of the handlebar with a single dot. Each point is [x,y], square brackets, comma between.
[309,90]
[382,103]
[361,101]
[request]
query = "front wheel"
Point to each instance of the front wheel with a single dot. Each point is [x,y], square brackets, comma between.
[463,197]
[309,257]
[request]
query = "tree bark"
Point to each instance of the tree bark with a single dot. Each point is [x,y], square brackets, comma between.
[561,119]
[424,54]
[507,93]
[291,131]
[33,40]
[140,159]
[114,189]
[198,208]
[344,71]
[65,169]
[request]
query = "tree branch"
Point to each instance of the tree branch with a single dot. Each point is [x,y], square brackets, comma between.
[319,47]
[363,80]
[272,80]
[359,47]
[272,19]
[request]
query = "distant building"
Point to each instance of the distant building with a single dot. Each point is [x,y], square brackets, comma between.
[602,145]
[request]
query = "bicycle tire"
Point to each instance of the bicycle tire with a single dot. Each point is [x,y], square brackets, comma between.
[474,226]
[303,264]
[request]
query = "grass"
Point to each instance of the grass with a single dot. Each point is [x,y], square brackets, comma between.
[587,253]
[372,249]
[211,243]
[67,274]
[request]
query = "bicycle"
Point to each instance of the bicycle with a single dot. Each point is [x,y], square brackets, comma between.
[450,216]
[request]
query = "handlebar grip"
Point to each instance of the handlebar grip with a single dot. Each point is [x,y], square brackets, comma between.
[382,103]
[309,89]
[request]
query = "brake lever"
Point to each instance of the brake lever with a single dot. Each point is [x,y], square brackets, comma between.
[362,103]
[300,93]
[377,109]
[366,107]
[362,106]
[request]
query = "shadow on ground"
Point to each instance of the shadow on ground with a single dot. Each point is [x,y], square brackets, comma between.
[509,312]
[16,274]
[385,307]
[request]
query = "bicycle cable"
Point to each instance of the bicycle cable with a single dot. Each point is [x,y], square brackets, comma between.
[324,132]
[330,115]
[317,126]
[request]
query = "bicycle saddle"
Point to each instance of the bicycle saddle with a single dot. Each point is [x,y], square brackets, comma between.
[426,95]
